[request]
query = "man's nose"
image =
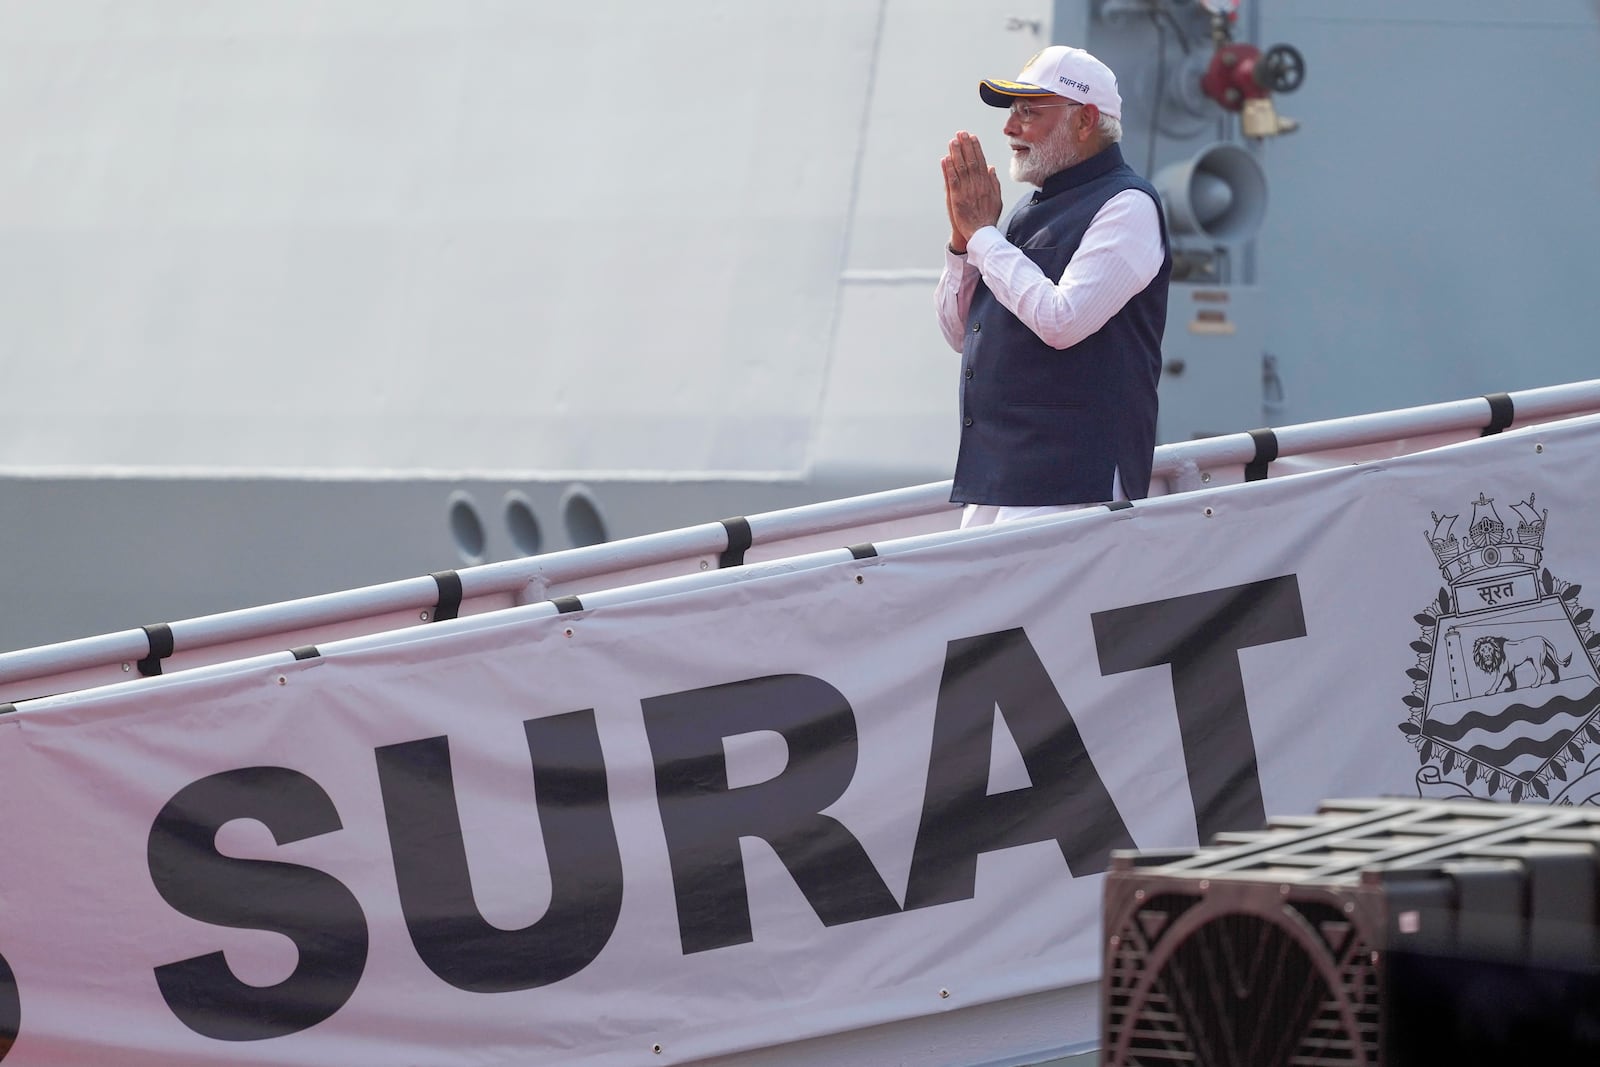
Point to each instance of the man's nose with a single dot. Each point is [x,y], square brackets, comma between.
[1013,127]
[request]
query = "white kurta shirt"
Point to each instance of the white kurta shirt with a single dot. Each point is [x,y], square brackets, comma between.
[1120,254]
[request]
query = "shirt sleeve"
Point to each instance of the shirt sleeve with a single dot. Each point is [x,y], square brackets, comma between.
[954,296]
[1120,254]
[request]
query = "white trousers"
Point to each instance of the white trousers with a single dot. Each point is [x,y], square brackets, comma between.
[989,514]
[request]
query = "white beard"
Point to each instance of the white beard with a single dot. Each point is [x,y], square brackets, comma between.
[1051,156]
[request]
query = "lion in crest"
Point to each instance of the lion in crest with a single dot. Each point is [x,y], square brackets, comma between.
[1520,664]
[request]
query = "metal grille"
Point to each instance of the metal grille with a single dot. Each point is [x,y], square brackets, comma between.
[1247,979]
[1375,932]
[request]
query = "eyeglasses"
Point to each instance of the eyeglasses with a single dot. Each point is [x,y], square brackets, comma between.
[1027,113]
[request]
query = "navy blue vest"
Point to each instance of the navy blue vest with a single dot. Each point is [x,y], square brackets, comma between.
[1041,425]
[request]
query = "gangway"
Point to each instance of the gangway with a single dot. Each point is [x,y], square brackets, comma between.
[1181,467]
[848,806]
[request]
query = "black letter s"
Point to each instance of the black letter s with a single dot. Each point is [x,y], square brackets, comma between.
[310,907]
[10,1008]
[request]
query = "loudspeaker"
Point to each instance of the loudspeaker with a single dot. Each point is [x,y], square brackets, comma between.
[1383,933]
[1219,193]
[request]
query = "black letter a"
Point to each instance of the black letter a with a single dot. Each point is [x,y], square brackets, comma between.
[1067,803]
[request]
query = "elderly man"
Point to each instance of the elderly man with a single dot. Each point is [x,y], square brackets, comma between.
[1058,314]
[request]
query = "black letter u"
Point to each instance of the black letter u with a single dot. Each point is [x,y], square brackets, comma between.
[430,861]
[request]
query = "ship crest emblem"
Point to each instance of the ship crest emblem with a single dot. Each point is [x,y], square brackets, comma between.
[1504,701]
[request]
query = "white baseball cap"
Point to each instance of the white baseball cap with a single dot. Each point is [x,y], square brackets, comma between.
[1059,70]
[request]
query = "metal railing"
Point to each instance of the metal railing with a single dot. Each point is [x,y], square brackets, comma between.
[115,657]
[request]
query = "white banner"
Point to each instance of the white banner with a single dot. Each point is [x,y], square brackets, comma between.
[799,804]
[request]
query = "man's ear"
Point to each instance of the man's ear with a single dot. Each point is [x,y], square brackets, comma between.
[1091,119]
